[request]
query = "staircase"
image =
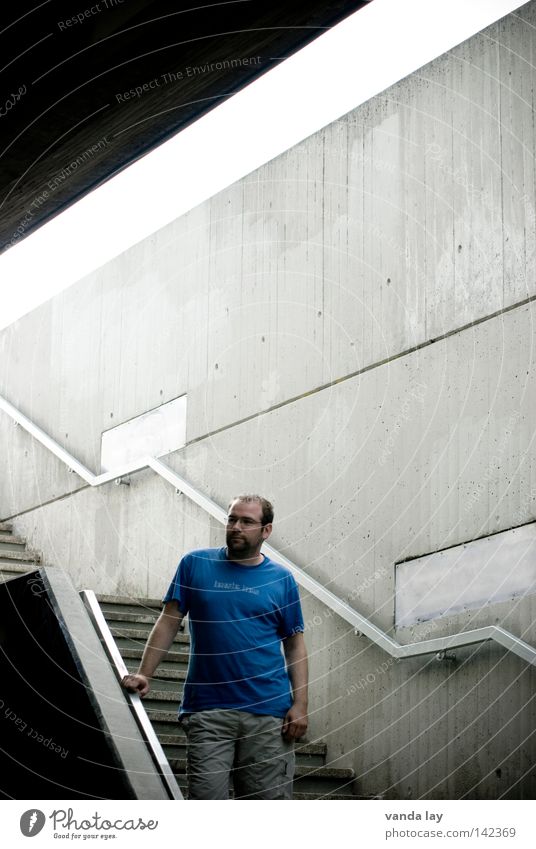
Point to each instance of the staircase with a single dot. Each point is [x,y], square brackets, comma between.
[15,559]
[130,621]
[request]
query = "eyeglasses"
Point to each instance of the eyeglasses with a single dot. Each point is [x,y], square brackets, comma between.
[245,522]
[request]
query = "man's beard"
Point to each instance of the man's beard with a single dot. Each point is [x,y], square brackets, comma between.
[240,548]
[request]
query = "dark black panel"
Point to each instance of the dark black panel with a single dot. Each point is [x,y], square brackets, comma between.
[51,740]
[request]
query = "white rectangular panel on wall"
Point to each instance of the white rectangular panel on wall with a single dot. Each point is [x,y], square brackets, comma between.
[496,568]
[154,433]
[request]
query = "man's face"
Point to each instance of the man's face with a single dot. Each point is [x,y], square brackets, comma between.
[245,532]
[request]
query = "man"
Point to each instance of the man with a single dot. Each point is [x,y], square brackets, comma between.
[243,706]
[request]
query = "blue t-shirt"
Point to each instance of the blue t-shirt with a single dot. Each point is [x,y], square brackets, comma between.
[238,617]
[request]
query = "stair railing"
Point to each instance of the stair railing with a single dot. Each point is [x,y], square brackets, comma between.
[142,720]
[438,646]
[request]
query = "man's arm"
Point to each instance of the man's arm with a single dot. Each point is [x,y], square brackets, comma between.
[295,723]
[158,645]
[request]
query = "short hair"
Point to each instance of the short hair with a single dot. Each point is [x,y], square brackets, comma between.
[266,506]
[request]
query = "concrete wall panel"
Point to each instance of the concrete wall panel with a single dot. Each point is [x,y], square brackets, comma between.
[31,475]
[467,577]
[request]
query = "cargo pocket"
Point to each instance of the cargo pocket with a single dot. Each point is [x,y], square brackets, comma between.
[289,767]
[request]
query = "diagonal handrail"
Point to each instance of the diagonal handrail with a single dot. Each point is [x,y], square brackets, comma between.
[359,623]
[140,715]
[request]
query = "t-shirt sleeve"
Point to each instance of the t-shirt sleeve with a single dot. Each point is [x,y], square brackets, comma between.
[178,589]
[291,612]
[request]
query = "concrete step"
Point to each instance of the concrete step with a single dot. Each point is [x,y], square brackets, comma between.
[125,644]
[313,797]
[169,731]
[9,542]
[166,716]
[166,703]
[131,630]
[323,779]
[21,556]
[164,678]
[133,617]
[159,695]
[138,633]
[134,649]
[142,617]
[177,656]
[6,528]
[315,753]
[13,570]
[122,601]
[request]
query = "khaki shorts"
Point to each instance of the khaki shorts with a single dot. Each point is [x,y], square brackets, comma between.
[246,746]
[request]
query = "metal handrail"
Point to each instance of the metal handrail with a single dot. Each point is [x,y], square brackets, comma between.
[140,715]
[359,623]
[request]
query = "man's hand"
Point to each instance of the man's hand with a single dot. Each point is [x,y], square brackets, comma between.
[136,683]
[294,724]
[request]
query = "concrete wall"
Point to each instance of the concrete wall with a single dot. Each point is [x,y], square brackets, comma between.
[353,325]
